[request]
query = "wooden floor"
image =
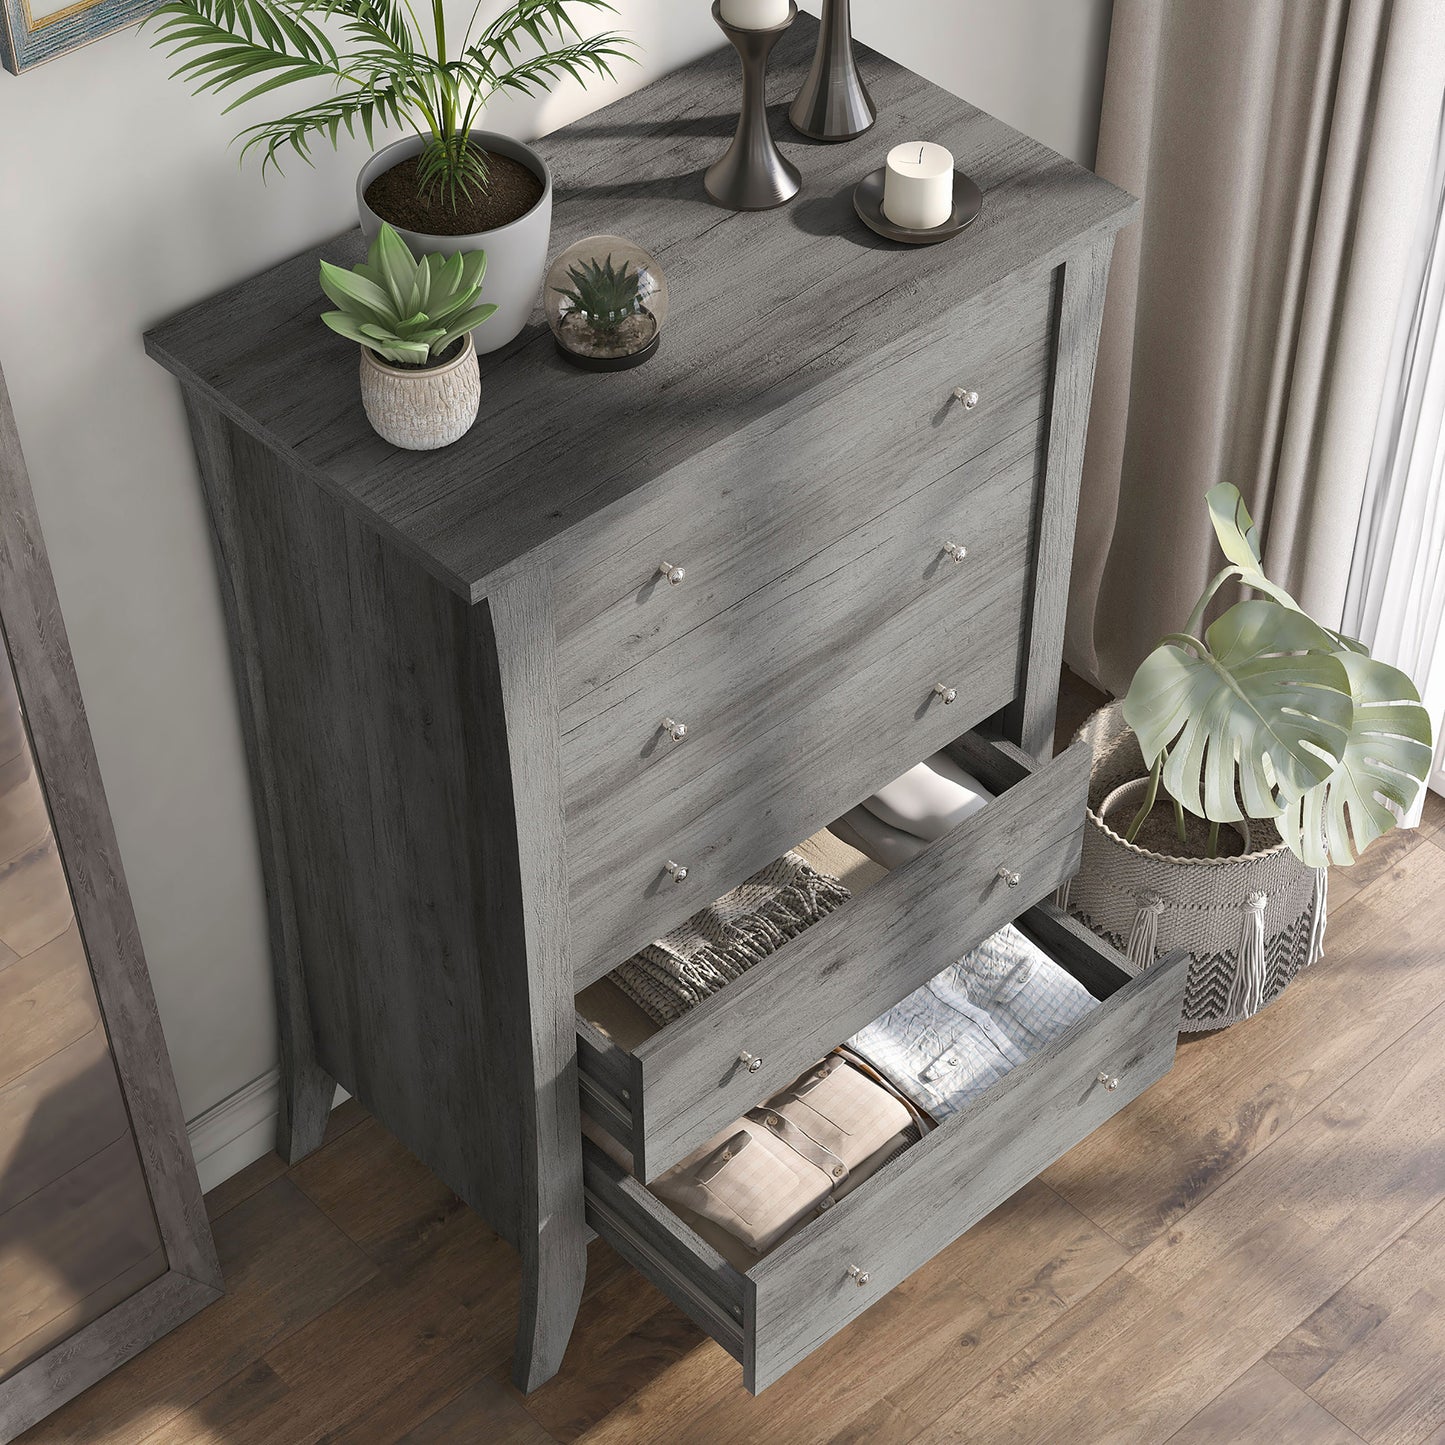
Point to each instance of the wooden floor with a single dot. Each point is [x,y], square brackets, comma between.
[1253,1251]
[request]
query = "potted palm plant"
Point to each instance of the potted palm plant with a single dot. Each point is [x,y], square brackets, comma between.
[449,187]
[420,384]
[1265,726]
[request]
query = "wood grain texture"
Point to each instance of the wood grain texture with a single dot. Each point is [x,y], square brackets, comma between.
[801,1293]
[408,733]
[856,963]
[885,597]
[785,775]
[1232,1094]
[1084,281]
[1262,1405]
[65,764]
[306,1089]
[819,293]
[822,476]
[1116,1360]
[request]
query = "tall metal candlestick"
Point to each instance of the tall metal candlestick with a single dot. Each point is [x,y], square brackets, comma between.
[834,104]
[754,175]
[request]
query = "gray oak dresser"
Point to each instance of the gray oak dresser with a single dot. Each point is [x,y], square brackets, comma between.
[828,529]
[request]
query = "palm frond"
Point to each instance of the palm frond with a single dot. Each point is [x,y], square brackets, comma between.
[544,23]
[351,111]
[592,56]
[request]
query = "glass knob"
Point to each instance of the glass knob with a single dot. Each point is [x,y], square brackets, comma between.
[948,694]
[1108,1081]
[676,871]
[677,731]
[954,551]
[1008,876]
[969,399]
[750,1062]
[673,574]
[860,1277]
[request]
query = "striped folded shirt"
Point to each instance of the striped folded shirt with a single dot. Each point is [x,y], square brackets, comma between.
[951,1040]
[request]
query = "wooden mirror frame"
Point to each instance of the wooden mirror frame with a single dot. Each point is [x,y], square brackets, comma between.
[34,636]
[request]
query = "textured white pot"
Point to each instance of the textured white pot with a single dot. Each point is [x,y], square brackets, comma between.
[421,410]
[516,253]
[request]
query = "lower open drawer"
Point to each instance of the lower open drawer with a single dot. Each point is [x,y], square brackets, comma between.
[814,1283]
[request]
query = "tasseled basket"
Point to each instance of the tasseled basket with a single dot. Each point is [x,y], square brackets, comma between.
[1250,924]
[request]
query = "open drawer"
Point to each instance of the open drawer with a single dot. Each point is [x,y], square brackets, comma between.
[814,1283]
[671,1093]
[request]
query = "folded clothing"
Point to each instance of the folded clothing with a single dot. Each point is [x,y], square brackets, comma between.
[875,839]
[763,1177]
[719,944]
[958,1035]
[932,798]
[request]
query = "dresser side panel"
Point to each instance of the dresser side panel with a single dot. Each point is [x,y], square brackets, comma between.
[388,742]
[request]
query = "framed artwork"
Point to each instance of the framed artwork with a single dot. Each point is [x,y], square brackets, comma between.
[34,31]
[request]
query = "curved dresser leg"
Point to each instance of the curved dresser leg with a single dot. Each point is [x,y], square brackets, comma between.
[554,1269]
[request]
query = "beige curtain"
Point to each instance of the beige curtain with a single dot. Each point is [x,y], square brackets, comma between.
[1281,149]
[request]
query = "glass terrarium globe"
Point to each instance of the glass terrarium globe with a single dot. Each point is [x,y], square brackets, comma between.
[606,303]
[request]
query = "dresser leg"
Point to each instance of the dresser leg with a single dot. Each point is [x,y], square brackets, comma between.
[554,1269]
[306,1094]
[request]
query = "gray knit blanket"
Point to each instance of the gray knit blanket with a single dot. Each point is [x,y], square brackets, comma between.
[722,942]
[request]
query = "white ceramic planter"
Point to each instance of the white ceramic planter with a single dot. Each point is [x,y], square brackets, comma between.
[420,411]
[516,253]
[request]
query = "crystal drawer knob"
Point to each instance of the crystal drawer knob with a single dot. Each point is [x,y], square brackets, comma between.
[860,1277]
[1108,1081]
[677,731]
[673,574]
[948,694]
[676,871]
[750,1062]
[966,398]
[1008,876]
[954,552]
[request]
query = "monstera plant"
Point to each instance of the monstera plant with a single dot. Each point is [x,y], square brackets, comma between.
[1267,715]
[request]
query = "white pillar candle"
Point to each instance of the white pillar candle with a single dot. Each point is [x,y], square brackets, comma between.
[918,189]
[756,14]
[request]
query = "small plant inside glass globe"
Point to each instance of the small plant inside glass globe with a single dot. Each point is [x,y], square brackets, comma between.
[606,304]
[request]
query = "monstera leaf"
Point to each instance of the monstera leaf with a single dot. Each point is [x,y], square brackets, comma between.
[1262,701]
[1239,540]
[1386,761]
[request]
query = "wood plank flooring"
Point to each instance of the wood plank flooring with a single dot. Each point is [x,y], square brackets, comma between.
[1254,1251]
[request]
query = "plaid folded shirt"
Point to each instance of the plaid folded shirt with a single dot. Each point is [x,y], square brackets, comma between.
[952,1039]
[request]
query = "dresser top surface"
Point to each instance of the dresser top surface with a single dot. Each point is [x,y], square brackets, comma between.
[764,305]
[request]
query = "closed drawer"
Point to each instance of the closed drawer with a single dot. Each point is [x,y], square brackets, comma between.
[788,641]
[673,1092]
[858,711]
[762,502]
[803,1293]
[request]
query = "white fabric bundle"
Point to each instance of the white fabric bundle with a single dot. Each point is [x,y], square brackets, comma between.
[900,820]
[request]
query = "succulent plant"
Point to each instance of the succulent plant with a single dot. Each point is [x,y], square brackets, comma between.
[603,294]
[406,310]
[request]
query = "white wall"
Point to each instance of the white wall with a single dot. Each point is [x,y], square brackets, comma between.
[119,204]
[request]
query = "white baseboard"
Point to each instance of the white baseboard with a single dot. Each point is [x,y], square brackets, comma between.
[239,1130]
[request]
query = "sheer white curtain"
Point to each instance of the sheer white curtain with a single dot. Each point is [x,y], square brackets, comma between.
[1395,601]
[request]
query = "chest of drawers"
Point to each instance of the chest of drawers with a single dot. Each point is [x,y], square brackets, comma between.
[824,533]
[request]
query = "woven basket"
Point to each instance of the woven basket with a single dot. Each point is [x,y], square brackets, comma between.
[1249,923]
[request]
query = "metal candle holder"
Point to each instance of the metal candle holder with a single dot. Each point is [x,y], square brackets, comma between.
[834,104]
[754,175]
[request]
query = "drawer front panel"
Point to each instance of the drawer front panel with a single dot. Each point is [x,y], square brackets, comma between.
[787,774]
[856,963]
[802,1294]
[764,501]
[763,658]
